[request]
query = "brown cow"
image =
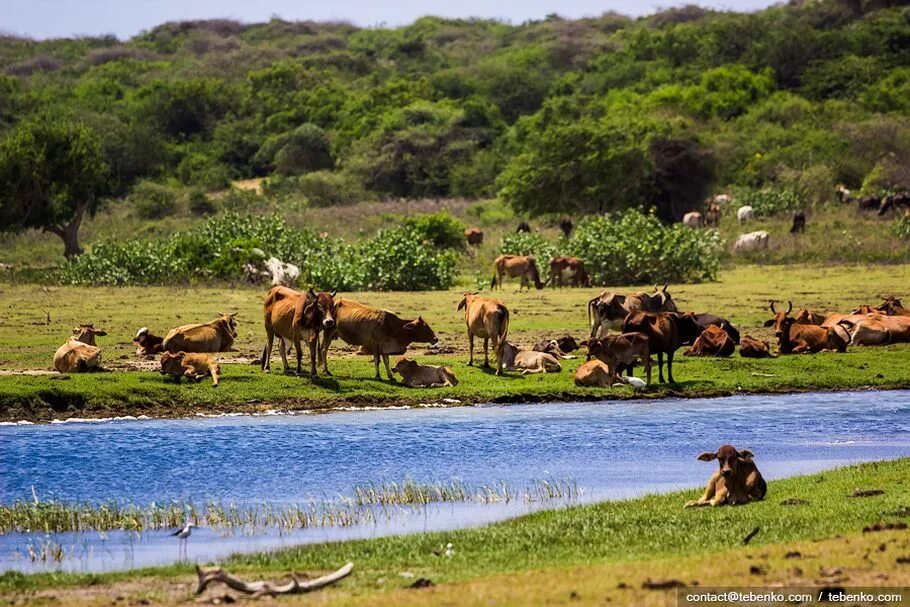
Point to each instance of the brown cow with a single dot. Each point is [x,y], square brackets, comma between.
[79,354]
[737,481]
[608,310]
[596,373]
[713,341]
[147,343]
[795,339]
[415,375]
[378,332]
[621,352]
[559,348]
[892,306]
[693,219]
[474,236]
[712,216]
[571,267]
[192,366]
[217,335]
[877,328]
[290,315]
[666,332]
[516,266]
[528,361]
[487,318]
[749,347]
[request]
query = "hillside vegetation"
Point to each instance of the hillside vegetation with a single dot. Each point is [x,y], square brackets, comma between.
[553,116]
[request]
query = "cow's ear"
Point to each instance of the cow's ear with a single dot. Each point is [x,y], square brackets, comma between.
[745,455]
[77,330]
[420,319]
[462,303]
[100,333]
[769,323]
[707,456]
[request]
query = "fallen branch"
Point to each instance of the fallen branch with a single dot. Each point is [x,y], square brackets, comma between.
[257,589]
[750,535]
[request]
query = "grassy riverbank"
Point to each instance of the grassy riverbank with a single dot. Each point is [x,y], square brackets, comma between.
[599,552]
[741,295]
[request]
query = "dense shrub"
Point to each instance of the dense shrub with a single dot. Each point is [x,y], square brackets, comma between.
[198,202]
[635,248]
[397,259]
[306,148]
[771,201]
[200,170]
[321,188]
[439,229]
[902,227]
[528,243]
[152,200]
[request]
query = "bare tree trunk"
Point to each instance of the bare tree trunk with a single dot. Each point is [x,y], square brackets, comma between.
[70,232]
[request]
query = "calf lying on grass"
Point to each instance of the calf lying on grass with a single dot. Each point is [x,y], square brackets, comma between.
[737,481]
[146,343]
[596,373]
[528,361]
[80,354]
[415,375]
[194,366]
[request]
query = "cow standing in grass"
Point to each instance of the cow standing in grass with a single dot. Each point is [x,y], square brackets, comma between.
[378,332]
[523,267]
[488,319]
[608,310]
[666,332]
[291,315]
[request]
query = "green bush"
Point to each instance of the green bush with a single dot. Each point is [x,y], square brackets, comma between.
[306,148]
[440,229]
[768,202]
[152,200]
[199,203]
[902,227]
[529,243]
[200,170]
[635,248]
[326,188]
[218,249]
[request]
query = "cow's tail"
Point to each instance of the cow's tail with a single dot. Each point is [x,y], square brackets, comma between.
[503,334]
[493,282]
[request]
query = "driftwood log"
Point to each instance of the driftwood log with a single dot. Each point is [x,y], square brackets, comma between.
[257,589]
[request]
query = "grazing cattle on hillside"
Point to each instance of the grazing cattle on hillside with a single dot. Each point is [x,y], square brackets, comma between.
[528,361]
[80,354]
[705,320]
[607,310]
[749,347]
[415,375]
[712,216]
[744,214]
[147,343]
[713,341]
[666,332]
[290,315]
[217,335]
[524,226]
[378,332]
[559,348]
[195,367]
[474,236]
[566,226]
[753,241]
[621,352]
[799,223]
[568,269]
[893,202]
[737,480]
[488,319]
[869,203]
[843,194]
[274,270]
[523,267]
[721,200]
[693,219]
[795,339]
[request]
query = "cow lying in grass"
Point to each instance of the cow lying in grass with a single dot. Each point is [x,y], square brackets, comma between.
[737,480]
[528,361]
[749,347]
[192,366]
[217,335]
[597,374]
[415,375]
[79,354]
[146,343]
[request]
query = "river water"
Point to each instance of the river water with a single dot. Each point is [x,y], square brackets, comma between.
[609,450]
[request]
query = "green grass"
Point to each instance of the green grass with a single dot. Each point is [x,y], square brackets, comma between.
[643,529]
[741,295]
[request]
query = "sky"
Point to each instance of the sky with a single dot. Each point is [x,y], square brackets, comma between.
[126,18]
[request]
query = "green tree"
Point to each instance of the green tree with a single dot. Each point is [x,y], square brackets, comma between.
[53,172]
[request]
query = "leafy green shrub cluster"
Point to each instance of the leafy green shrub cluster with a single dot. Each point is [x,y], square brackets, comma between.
[440,229]
[152,200]
[400,259]
[529,243]
[902,227]
[767,202]
[634,248]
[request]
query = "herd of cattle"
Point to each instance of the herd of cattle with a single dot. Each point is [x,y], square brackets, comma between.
[643,324]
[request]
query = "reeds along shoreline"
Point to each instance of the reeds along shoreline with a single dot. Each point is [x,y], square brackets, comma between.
[368,503]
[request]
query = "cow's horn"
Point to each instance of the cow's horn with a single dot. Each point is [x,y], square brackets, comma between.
[312,292]
[334,292]
[773,311]
[666,286]
[789,306]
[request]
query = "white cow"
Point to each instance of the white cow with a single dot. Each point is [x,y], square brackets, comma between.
[744,214]
[752,241]
[722,200]
[284,274]
[693,219]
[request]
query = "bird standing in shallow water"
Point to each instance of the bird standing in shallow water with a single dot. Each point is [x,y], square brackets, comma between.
[183,534]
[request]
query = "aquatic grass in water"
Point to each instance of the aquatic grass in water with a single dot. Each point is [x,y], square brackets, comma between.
[369,503]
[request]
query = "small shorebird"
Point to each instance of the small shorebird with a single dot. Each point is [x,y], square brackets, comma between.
[184,533]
